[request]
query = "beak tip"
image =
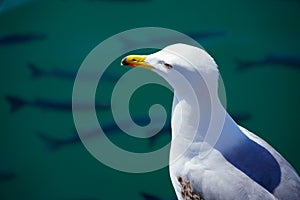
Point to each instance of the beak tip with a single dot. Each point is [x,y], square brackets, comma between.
[124,62]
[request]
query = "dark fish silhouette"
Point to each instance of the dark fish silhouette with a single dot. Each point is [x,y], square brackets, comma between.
[21,38]
[207,34]
[241,117]
[152,197]
[108,128]
[17,103]
[274,60]
[6,175]
[6,5]
[56,143]
[37,72]
[198,36]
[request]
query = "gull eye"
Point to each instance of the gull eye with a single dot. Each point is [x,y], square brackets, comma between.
[168,66]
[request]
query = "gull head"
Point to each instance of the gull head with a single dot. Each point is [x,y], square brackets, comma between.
[176,62]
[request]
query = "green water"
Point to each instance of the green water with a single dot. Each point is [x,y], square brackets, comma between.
[73,28]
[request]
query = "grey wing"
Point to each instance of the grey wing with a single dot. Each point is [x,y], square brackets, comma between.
[289,186]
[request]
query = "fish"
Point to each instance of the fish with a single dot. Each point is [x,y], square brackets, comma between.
[198,36]
[109,128]
[207,34]
[16,103]
[7,5]
[21,38]
[7,175]
[56,143]
[241,117]
[70,74]
[152,197]
[275,60]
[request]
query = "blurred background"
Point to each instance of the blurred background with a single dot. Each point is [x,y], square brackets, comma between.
[43,43]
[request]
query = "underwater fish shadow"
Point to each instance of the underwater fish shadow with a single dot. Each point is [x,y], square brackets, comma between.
[16,103]
[68,74]
[21,38]
[274,60]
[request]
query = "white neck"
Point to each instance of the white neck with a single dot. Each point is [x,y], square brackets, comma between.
[198,116]
[195,105]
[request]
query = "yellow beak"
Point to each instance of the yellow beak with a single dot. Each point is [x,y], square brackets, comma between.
[136,61]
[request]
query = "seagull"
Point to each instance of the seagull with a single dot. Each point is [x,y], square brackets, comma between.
[211,156]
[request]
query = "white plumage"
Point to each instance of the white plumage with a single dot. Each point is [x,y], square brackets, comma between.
[213,155]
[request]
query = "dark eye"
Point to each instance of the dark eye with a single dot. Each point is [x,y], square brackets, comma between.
[133,59]
[168,66]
